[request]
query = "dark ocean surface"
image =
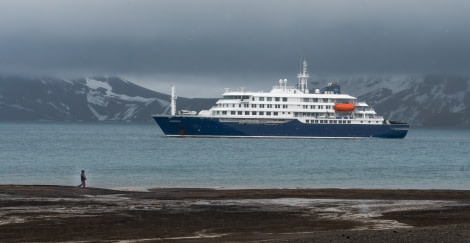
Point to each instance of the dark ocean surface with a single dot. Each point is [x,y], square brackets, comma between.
[138,156]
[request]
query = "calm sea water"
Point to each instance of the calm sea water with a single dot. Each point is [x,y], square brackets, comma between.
[137,156]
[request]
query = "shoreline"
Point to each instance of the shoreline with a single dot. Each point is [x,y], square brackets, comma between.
[333,192]
[38,212]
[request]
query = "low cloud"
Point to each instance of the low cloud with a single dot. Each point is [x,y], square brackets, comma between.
[231,40]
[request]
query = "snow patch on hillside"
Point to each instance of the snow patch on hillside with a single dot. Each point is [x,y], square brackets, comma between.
[421,99]
[357,85]
[95,97]
[131,110]
[95,84]
[96,114]
[19,107]
[68,81]
[163,102]
[130,98]
[60,107]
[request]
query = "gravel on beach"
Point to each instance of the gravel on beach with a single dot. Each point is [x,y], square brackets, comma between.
[45,213]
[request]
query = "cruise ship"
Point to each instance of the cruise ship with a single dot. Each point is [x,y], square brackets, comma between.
[284,112]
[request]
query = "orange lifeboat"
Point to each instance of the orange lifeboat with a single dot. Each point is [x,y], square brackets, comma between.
[344,107]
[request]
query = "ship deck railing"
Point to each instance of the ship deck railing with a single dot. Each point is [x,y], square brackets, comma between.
[341,117]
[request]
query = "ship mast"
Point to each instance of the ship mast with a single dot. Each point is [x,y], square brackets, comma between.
[303,77]
[173,101]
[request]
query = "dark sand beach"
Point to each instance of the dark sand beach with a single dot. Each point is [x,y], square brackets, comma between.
[60,213]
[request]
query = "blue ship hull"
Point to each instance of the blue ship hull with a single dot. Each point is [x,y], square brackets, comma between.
[194,126]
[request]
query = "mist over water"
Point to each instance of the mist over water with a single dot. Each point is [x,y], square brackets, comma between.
[137,156]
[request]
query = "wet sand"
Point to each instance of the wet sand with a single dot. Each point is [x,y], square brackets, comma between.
[61,213]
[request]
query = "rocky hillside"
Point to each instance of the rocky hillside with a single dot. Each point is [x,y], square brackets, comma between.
[88,99]
[429,100]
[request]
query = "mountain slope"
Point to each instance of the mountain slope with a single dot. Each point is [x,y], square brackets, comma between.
[428,100]
[437,100]
[421,100]
[88,99]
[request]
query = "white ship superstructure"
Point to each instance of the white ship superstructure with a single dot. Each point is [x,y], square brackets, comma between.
[294,102]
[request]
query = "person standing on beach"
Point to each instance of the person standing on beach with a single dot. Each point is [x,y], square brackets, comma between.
[83,179]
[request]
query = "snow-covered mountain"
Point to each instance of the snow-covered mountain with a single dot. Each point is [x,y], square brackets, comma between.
[421,100]
[87,99]
[438,100]
[435,100]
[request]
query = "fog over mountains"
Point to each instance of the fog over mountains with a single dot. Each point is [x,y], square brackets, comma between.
[421,100]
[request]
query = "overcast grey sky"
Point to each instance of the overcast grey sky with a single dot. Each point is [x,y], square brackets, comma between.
[232,43]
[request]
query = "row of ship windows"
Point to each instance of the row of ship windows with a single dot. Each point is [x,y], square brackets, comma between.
[245,97]
[329,121]
[334,121]
[278,106]
[284,99]
[275,113]
[254,113]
